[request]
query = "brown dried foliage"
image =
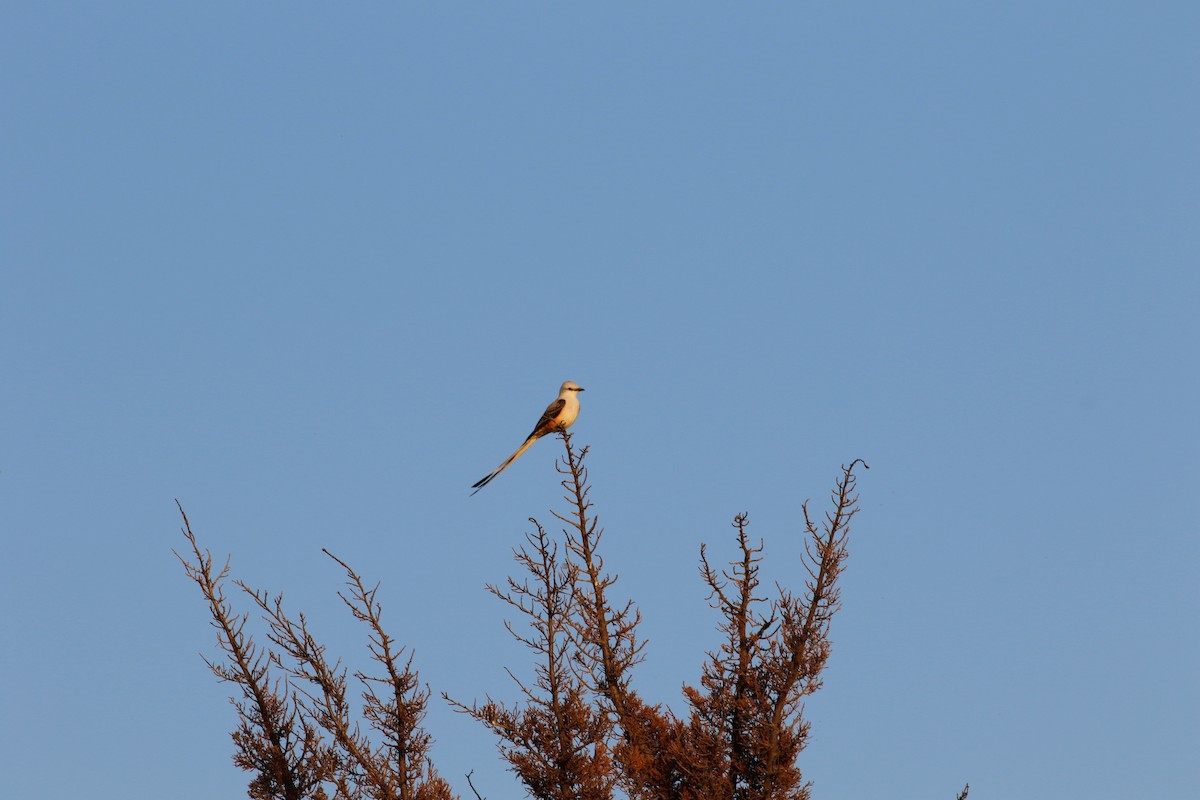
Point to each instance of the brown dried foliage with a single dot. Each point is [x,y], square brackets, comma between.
[296,733]
[578,729]
[745,724]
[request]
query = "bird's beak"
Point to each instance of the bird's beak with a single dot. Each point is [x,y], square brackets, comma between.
[581,388]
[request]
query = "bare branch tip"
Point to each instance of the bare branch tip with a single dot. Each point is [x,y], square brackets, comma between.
[472,785]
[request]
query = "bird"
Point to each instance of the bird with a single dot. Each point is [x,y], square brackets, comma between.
[559,415]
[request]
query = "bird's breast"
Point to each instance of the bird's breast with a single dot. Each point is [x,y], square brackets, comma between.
[568,415]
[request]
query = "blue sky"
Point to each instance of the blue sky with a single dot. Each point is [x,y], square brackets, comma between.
[314,270]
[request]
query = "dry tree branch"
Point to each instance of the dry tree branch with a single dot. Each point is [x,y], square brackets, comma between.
[275,742]
[397,714]
[398,769]
[553,739]
[471,783]
[325,702]
[801,648]
[728,709]
[607,647]
[607,636]
[297,734]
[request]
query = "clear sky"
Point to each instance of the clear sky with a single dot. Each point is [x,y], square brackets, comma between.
[313,269]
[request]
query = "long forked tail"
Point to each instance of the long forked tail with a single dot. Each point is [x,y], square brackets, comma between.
[486,479]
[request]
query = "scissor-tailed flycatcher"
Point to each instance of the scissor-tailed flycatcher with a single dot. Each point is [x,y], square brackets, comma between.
[559,415]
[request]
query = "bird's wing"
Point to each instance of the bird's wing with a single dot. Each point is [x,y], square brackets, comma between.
[546,423]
